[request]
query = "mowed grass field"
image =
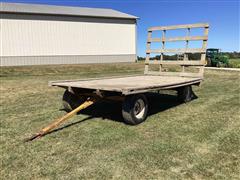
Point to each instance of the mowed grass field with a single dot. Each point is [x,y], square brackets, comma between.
[197,140]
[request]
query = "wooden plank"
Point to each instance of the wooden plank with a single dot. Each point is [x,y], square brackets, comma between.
[203,56]
[181,74]
[176,62]
[186,46]
[185,56]
[127,84]
[199,25]
[173,39]
[147,54]
[136,91]
[53,83]
[179,50]
[163,47]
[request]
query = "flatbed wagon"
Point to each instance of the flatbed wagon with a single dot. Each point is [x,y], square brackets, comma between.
[131,89]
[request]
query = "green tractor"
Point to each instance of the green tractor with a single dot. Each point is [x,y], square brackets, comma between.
[216,59]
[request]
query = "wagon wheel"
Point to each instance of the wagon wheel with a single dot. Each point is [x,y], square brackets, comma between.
[135,109]
[185,94]
[71,101]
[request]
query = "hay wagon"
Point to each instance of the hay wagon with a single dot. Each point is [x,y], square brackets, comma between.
[131,90]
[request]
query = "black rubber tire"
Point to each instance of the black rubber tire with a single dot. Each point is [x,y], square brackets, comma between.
[209,62]
[129,105]
[185,94]
[70,101]
[219,64]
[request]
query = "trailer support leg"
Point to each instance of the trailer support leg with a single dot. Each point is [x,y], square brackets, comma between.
[59,121]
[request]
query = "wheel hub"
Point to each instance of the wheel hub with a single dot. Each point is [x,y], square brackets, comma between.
[139,108]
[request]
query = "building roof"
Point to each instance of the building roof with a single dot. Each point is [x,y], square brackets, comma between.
[62,10]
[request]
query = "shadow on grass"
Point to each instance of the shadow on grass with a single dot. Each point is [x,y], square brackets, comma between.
[112,110]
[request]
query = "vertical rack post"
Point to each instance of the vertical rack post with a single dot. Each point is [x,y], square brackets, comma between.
[203,55]
[148,52]
[185,57]
[163,47]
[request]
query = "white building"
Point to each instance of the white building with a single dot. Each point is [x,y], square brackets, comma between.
[43,34]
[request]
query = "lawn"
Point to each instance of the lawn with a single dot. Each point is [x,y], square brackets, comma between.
[197,140]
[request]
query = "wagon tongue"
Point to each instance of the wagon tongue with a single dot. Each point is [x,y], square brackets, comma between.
[35,136]
[59,121]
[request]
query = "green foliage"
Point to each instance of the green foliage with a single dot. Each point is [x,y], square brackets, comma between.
[234,63]
[232,55]
[139,58]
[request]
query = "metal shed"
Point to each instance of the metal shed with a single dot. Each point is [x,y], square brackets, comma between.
[44,34]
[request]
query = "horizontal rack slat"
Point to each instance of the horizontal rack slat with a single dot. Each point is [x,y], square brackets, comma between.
[200,25]
[177,62]
[185,74]
[172,39]
[180,50]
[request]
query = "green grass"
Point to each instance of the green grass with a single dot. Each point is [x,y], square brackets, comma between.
[234,63]
[197,140]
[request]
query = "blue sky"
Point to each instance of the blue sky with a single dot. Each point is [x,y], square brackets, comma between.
[223,16]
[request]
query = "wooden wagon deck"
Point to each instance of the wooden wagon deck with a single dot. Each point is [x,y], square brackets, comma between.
[130,84]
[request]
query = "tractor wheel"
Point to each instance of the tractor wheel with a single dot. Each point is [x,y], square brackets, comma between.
[71,101]
[185,94]
[219,64]
[209,62]
[135,109]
